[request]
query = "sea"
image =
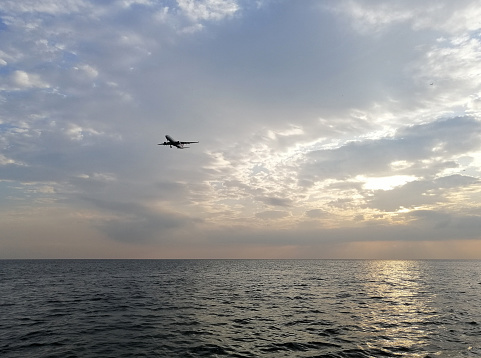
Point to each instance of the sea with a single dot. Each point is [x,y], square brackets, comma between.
[240,308]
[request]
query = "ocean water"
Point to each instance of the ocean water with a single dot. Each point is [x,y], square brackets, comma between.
[240,308]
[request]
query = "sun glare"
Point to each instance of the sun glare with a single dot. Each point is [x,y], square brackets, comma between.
[385,183]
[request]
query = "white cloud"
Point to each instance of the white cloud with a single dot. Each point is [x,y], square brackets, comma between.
[128,3]
[208,9]
[4,160]
[453,61]
[75,132]
[89,71]
[450,17]
[23,80]
[375,16]
[51,7]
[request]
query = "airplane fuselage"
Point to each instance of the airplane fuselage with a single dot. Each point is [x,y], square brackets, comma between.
[174,142]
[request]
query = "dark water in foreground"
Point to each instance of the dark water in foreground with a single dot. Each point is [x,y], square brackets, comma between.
[240,308]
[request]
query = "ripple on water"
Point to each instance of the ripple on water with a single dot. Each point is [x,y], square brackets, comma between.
[239,308]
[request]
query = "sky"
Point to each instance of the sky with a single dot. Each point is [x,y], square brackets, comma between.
[326,129]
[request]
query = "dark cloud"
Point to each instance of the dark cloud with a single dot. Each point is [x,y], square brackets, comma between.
[445,225]
[274,201]
[133,223]
[316,213]
[420,192]
[272,214]
[437,142]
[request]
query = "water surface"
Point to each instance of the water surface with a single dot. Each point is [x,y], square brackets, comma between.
[240,308]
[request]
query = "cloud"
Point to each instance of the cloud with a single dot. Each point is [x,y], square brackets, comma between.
[318,123]
[316,213]
[421,147]
[4,160]
[23,80]
[421,192]
[208,9]
[45,7]
[273,201]
[448,225]
[132,223]
[272,214]
[376,16]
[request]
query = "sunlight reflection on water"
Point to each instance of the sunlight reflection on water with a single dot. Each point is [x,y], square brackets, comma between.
[399,304]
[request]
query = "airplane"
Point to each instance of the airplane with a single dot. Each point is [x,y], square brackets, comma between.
[175,143]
